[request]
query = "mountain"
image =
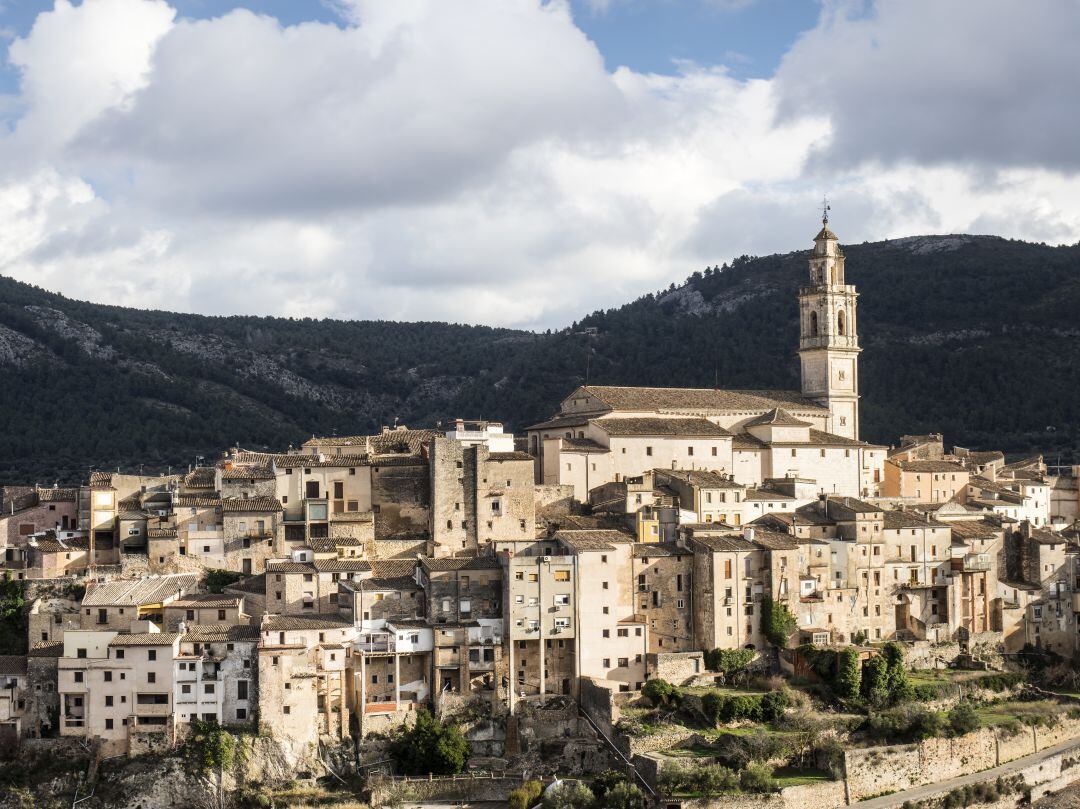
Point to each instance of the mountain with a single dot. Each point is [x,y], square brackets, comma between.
[975,336]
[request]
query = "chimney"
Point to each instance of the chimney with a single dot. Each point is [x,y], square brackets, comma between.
[748,532]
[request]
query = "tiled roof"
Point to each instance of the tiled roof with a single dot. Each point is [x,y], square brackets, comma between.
[395,583]
[197,501]
[161,533]
[206,601]
[774,540]
[150,590]
[746,441]
[822,438]
[342,565]
[445,563]
[809,514]
[145,639]
[986,457]
[13,665]
[390,568]
[648,550]
[210,633]
[509,456]
[702,478]
[248,473]
[401,440]
[47,648]
[290,567]
[896,519]
[200,478]
[331,544]
[101,479]
[700,399]
[56,495]
[583,445]
[855,504]
[132,515]
[930,466]
[352,516]
[50,544]
[559,422]
[1041,537]
[724,544]
[973,529]
[660,426]
[251,504]
[315,461]
[286,623]
[596,539]
[777,417]
[765,494]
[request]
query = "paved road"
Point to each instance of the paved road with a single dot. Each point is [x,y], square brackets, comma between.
[920,793]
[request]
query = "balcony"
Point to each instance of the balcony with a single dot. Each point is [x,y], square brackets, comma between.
[972,563]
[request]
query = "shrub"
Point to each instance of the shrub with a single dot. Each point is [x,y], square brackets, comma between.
[711,779]
[742,706]
[999,682]
[907,723]
[774,704]
[729,661]
[624,795]
[757,778]
[712,705]
[660,692]
[777,622]
[849,675]
[430,746]
[525,796]
[569,795]
[963,718]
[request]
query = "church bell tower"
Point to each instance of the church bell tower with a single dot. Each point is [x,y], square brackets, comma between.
[828,335]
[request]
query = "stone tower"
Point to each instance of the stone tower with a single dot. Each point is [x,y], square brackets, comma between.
[828,335]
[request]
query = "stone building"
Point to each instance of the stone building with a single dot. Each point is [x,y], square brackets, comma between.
[925,481]
[114,605]
[479,496]
[215,673]
[252,532]
[662,574]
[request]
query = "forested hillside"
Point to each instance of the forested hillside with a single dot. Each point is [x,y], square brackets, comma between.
[974,336]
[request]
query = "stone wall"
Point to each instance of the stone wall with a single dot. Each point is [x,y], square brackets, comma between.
[923,654]
[681,668]
[599,703]
[821,796]
[454,789]
[402,495]
[553,500]
[876,770]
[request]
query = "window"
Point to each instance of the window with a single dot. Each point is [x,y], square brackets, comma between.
[108,676]
[151,654]
[648,451]
[624,633]
[285,709]
[151,677]
[560,575]
[108,724]
[689,450]
[607,632]
[119,654]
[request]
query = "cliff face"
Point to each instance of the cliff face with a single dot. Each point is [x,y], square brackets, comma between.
[975,336]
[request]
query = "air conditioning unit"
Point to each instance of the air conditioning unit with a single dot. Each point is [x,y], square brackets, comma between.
[545,558]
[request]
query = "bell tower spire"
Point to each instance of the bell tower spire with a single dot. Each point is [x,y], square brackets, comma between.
[828,336]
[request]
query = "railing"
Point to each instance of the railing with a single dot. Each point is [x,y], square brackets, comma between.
[73,723]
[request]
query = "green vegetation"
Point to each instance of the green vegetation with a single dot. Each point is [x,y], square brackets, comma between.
[963,718]
[526,795]
[12,617]
[217,580]
[848,680]
[569,795]
[430,746]
[778,623]
[729,661]
[660,693]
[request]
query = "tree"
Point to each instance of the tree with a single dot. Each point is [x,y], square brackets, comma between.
[569,795]
[430,746]
[729,661]
[660,692]
[848,674]
[963,718]
[777,622]
[900,688]
[12,617]
[875,681]
[623,795]
[774,704]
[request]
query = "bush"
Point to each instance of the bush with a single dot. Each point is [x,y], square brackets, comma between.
[849,675]
[430,746]
[963,718]
[757,778]
[624,796]
[660,692]
[525,796]
[711,779]
[712,705]
[777,622]
[774,704]
[729,661]
[741,706]
[1002,681]
[907,723]
[569,795]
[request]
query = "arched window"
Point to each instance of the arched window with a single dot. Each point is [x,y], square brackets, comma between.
[840,322]
[813,324]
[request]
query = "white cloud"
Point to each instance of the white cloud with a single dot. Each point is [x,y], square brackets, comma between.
[466,161]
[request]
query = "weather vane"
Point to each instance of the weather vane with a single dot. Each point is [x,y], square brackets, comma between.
[825,210]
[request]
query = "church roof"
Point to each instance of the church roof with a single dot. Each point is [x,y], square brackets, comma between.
[699,399]
[660,426]
[778,417]
[826,234]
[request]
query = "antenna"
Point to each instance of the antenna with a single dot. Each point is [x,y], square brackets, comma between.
[825,208]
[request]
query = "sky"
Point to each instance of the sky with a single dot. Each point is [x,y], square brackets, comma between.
[511,162]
